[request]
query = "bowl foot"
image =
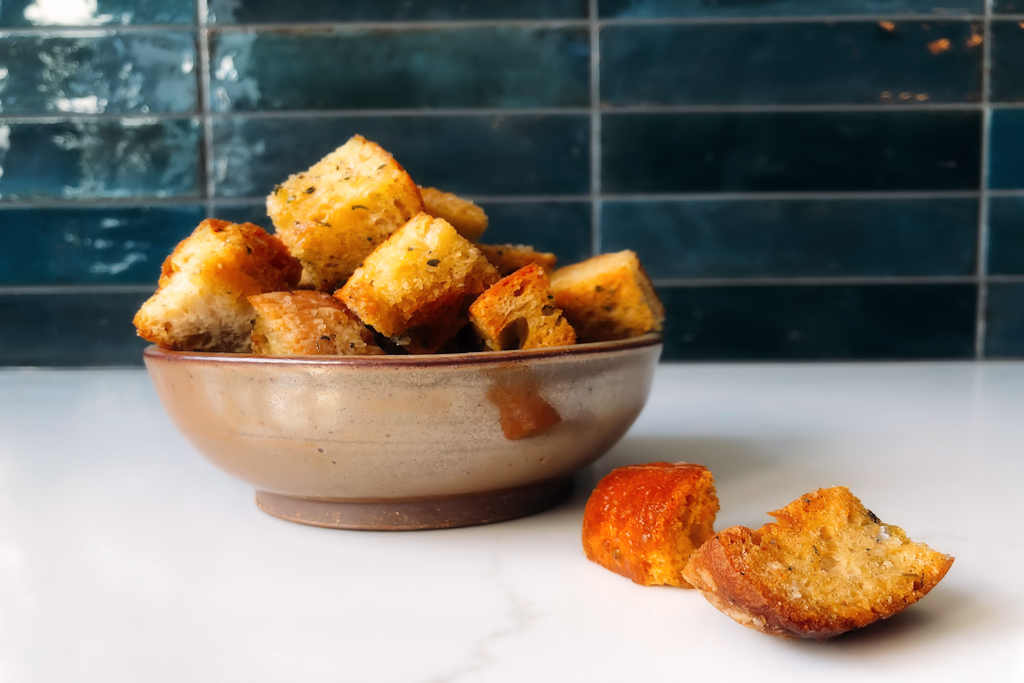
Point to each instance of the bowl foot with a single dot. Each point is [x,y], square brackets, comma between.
[441,512]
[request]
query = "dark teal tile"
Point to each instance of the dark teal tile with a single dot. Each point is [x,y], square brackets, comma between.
[484,155]
[819,322]
[559,227]
[791,63]
[255,212]
[1006,235]
[99,158]
[467,67]
[796,238]
[86,328]
[20,13]
[90,245]
[775,8]
[1004,330]
[1008,6]
[96,73]
[1006,149]
[797,151]
[1007,61]
[264,11]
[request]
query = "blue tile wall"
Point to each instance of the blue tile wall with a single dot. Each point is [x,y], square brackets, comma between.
[803,180]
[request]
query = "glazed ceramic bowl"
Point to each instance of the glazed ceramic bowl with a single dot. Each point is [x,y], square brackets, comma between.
[407,442]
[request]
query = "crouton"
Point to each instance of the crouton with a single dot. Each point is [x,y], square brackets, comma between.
[608,297]
[465,216]
[417,285]
[828,565]
[304,323]
[333,215]
[508,258]
[518,312]
[644,521]
[200,303]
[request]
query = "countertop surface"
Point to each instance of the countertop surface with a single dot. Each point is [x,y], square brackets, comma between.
[124,556]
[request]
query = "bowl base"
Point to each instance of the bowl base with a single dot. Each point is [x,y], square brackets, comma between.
[441,512]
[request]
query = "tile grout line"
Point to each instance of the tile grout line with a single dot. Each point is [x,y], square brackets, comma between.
[981,304]
[595,128]
[203,37]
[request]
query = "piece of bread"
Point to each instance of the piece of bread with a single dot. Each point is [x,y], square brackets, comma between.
[333,215]
[608,297]
[417,285]
[828,565]
[200,303]
[305,323]
[519,312]
[508,258]
[644,521]
[465,216]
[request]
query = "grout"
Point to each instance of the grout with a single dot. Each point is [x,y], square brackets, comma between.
[75,289]
[769,107]
[790,196]
[425,25]
[981,304]
[791,19]
[99,202]
[406,112]
[595,128]
[815,280]
[203,74]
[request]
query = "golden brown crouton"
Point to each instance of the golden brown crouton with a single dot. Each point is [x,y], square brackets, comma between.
[644,521]
[519,312]
[508,258]
[333,215]
[416,286]
[304,323]
[828,565]
[200,303]
[465,216]
[608,297]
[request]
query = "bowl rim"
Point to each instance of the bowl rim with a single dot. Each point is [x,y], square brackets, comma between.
[412,360]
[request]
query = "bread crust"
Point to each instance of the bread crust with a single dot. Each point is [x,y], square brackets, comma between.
[465,216]
[518,312]
[508,258]
[307,323]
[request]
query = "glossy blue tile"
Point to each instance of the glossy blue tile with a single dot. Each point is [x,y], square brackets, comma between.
[95,245]
[1006,235]
[265,11]
[96,73]
[797,151]
[1006,149]
[99,158]
[1008,6]
[559,227]
[249,212]
[796,238]
[819,322]
[776,8]
[798,63]
[87,328]
[467,67]
[483,155]
[21,13]
[1004,330]
[1007,61]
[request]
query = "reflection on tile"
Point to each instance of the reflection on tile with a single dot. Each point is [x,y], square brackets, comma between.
[99,158]
[796,238]
[905,62]
[1004,332]
[1006,236]
[559,227]
[797,151]
[1006,149]
[87,328]
[90,245]
[468,67]
[775,8]
[95,74]
[1007,60]
[264,11]
[95,12]
[818,322]
[519,154]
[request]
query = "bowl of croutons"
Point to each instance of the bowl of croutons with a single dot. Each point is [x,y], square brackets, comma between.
[372,365]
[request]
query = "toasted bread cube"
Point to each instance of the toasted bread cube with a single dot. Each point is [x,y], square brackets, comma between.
[508,258]
[305,323]
[333,215]
[608,297]
[644,521]
[465,216]
[417,285]
[200,303]
[828,565]
[519,312]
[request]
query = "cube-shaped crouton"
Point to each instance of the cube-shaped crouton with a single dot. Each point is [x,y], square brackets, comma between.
[200,303]
[465,216]
[304,323]
[608,297]
[519,312]
[508,258]
[417,285]
[333,215]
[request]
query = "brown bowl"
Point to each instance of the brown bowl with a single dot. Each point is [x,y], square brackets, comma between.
[407,442]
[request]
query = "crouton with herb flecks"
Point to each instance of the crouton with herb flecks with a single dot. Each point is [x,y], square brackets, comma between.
[508,258]
[304,323]
[519,312]
[465,216]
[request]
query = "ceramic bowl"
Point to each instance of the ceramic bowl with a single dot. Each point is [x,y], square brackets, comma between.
[407,442]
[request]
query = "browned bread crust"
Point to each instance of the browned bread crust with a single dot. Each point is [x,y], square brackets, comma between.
[465,216]
[305,323]
[508,258]
[200,303]
[644,521]
[518,312]
[828,565]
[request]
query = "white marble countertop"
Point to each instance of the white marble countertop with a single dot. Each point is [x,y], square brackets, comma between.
[124,556]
